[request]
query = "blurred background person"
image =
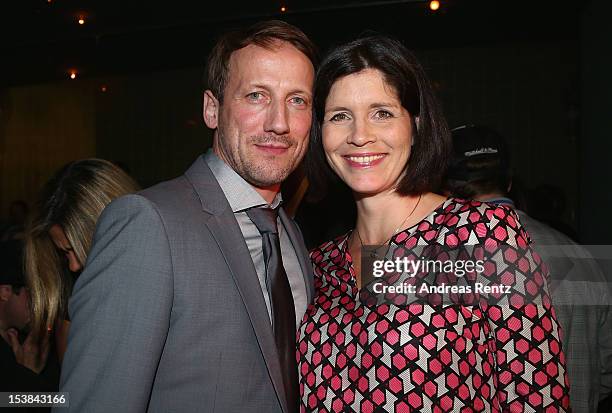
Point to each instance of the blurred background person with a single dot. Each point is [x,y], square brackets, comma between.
[481,170]
[60,234]
[23,355]
[547,203]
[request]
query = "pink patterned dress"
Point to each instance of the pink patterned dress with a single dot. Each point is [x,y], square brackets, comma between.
[355,356]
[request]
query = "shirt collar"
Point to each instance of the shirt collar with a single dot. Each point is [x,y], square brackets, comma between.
[239,193]
[501,200]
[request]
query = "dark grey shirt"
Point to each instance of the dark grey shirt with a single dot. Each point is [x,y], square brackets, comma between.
[583,305]
[242,196]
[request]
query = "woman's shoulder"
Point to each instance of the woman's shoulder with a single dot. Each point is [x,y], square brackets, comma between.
[467,211]
[459,205]
[490,221]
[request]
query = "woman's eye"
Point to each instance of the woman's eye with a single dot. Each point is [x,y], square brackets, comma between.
[339,117]
[383,114]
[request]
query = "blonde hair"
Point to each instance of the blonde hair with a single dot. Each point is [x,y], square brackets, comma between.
[73,199]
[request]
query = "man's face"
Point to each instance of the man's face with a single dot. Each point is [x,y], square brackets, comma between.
[16,307]
[264,120]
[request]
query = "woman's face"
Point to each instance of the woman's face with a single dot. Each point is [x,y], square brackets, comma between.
[58,236]
[367,133]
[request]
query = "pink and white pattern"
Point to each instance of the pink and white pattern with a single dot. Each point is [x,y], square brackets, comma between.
[356,357]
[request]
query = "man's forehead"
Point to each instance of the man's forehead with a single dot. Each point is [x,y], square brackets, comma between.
[270,46]
[246,57]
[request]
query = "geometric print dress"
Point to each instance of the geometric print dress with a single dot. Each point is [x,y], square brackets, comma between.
[359,354]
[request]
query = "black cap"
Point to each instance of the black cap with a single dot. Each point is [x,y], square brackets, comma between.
[479,152]
[11,263]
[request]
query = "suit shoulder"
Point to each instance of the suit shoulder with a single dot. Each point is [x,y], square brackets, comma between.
[160,192]
[160,202]
[171,197]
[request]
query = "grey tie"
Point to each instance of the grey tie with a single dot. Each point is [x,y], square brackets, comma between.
[283,308]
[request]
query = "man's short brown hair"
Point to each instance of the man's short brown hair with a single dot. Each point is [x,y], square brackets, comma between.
[264,34]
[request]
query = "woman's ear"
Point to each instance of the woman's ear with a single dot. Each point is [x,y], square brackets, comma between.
[210,111]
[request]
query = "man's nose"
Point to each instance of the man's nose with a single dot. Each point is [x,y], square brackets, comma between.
[277,119]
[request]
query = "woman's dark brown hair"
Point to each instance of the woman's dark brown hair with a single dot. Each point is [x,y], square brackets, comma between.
[404,73]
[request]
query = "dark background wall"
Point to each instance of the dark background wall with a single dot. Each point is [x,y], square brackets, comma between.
[538,76]
[596,132]
[152,123]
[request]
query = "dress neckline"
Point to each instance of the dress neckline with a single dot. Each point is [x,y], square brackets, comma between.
[343,243]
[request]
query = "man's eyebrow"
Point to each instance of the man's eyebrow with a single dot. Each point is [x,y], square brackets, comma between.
[257,86]
[268,87]
[304,91]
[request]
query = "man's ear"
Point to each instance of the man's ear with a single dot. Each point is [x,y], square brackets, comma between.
[210,111]
[5,292]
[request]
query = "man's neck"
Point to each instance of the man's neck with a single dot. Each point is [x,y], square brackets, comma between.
[268,193]
[490,195]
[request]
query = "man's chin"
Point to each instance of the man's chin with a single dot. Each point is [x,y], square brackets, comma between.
[265,176]
[263,183]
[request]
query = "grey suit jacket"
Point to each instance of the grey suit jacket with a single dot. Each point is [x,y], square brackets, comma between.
[168,315]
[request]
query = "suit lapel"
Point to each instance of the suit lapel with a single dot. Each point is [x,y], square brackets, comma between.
[224,228]
[227,233]
[297,240]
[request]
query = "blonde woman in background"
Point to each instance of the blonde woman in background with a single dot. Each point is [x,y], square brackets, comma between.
[59,236]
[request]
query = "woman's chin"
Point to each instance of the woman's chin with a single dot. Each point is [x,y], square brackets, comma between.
[364,191]
[366,186]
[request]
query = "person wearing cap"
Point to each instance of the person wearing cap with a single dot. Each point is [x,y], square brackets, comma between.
[22,361]
[481,170]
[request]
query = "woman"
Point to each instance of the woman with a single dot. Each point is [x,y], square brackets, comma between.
[378,126]
[60,234]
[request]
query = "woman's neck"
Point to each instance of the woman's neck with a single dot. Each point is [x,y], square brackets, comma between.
[380,215]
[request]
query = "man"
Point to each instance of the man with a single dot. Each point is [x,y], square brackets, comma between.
[481,171]
[22,361]
[183,304]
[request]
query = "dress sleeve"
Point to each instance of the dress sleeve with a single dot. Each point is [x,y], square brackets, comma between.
[525,336]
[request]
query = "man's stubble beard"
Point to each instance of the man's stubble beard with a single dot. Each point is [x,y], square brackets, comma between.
[258,171]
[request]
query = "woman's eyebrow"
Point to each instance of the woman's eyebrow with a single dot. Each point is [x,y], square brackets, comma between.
[382,104]
[336,108]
